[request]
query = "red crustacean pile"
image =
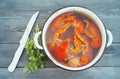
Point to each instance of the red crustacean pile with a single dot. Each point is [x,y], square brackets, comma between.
[77,49]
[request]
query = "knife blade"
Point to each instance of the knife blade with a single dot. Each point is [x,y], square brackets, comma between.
[22,42]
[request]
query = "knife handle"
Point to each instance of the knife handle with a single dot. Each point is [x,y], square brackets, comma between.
[16,58]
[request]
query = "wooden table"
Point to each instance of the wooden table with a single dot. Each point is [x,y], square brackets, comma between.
[14,16]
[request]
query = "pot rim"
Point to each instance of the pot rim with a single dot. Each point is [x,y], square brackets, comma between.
[87,12]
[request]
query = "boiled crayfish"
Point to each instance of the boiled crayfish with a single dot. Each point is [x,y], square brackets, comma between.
[76,50]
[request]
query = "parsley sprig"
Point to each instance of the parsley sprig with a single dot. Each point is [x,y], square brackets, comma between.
[36,57]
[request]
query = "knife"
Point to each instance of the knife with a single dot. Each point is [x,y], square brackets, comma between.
[22,42]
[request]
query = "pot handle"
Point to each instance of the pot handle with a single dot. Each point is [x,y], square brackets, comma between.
[110,38]
[36,40]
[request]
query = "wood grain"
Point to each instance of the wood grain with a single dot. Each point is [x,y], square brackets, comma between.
[58,73]
[9,31]
[14,16]
[110,57]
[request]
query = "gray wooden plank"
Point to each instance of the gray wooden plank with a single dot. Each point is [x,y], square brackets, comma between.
[113,12]
[15,14]
[25,14]
[11,24]
[20,25]
[15,36]
[33,5]
[110,57]
[99,7]
[58,73]
[16,20]
[7,52]
[22,14]
[17,25]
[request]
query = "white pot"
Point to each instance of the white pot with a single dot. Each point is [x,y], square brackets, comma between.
[107,37]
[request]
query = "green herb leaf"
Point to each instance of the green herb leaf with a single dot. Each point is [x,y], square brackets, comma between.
[36,57]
